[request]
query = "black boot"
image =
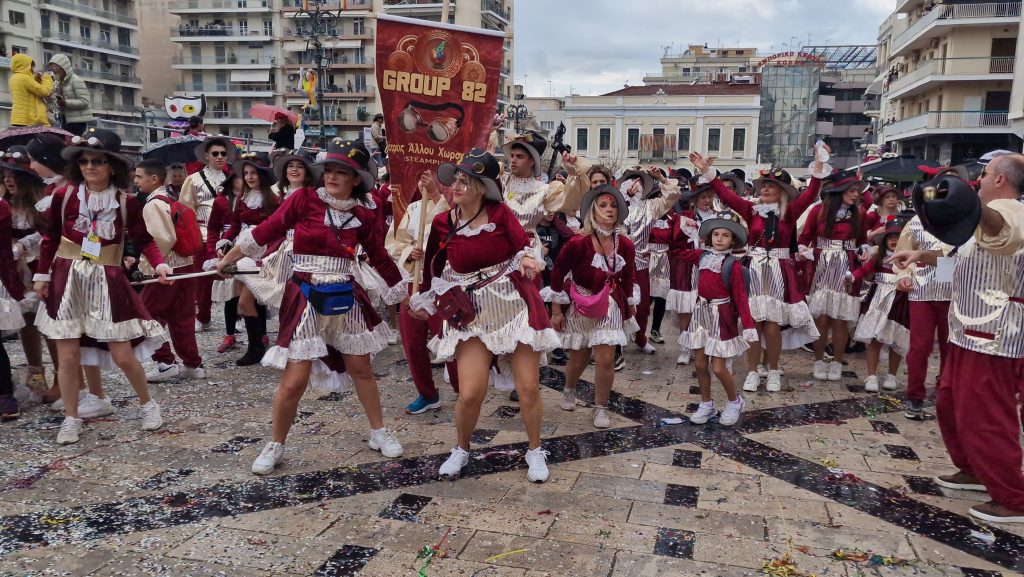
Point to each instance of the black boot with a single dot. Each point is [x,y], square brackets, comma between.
[254,354]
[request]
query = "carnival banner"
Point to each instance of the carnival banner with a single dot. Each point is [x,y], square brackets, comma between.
[438,88]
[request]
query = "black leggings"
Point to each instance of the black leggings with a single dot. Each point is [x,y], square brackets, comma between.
[659,313]
[6,381]
[230,316]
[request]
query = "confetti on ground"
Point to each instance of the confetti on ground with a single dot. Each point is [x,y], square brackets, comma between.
[496,557]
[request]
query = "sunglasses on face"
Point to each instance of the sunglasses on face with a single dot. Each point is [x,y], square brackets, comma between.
[92,162]
[218,153]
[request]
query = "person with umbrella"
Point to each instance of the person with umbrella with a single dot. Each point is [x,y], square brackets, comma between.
[88,306]
[282,132]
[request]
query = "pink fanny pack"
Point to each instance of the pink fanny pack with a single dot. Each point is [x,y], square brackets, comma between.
[593,306]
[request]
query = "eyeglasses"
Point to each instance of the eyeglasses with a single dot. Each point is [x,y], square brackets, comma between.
[92,162]
[218,153]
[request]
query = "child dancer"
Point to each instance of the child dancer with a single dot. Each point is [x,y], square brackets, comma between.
[721,325]
[887,318]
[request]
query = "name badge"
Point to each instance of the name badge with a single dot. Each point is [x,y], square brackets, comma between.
[91,246]
[944,269]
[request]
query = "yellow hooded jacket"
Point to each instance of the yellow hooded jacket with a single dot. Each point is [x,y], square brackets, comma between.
[27,106]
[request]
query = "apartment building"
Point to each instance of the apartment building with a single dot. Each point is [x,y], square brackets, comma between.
[100,38]
[242,52]
[948,78]
[700,64]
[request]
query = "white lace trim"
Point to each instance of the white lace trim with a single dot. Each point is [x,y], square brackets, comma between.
[11,312]
[876,325]
[248,244]
[253,199]
[766,209]
[712,261]
[599,263]
[750,335]
[343,205]
[550,296]
[661,224]
[101,206]
[700,339]
[501,342]
[835,305]
[634,299]
[321,377]
[680,301]
[225,244]
[399,291]
[470,231]
[44,203]
[103,331]
[423,302]
[826,170]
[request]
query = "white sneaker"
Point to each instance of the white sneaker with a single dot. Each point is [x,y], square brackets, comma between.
[196,373]
[151,419]
[69,431]
[774,382]
[762,371]
[601,419]
[455,463]
[93,407]
[648,349]
[820,370]
[162,372]
[269,457]
[202,328]
[871,384]
[890,383]
[751,382]
[568,400]
[393,339]
[58,405]
[683,358]
[384,441]
[835,371]
[704,412]
[732,411]
[537,460]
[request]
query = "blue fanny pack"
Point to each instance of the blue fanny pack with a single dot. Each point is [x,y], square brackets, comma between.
[328,299]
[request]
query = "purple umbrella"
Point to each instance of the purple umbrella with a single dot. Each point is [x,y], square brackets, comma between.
[23,134]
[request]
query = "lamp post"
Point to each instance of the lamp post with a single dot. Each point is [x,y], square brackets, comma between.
[517,112]
[317,28]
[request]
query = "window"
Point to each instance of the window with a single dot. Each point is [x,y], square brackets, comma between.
[739,139]
[268,27]
[87,64]
[358,26]
[243,27]
[714,139]
[105,34]
[605,139]
[64,26]
[85,31]
[633,139]
[18,50]
[16,18]
[547,125]
[683,139]
[581,139]
[197,80]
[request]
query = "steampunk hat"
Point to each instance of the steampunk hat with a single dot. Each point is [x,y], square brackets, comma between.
[281,163]
[695,189]
[534,143]
[881,190]
[646,181]
[254,160]
[593,194]
[683,175]
[222,141]
[97,140]
[478,164]
[350,153]
[728,220]
[778,177]
[738,186]
[949,208]
[16,158]
[45,149]
[840,181]
[893,225]
[738,173]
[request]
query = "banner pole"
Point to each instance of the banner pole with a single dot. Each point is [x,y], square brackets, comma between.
[417,267]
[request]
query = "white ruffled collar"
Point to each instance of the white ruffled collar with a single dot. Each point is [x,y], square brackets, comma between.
[469,231]
[600,262]
[97,201]
[704,214]
[766,209]
[712,260]
[253,199]
[53,179]
[343,205]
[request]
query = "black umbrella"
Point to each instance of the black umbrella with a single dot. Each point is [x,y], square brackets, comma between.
[176,150]
[899,169]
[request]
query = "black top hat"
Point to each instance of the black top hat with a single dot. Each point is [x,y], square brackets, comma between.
[594,193]
[350,153]
[281,162]
[728,220]
[682,175]
[646,181]
[738,185]
[949,208]
[45,149]
[224,141]
[16,158]
[696,189]
[478,164]
[738,173]
[840,181]
[254,160]
[97,140]
[778,177]
[534,143]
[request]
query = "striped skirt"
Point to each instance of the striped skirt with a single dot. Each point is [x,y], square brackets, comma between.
[715,327]
[582,332]
[829,294]
[276,272]
[11,317]
[774,297]
[682,293]
[659,271]
[887,319]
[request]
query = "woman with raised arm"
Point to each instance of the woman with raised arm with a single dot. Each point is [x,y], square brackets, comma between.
[775,298]
[479,271]
[323,306]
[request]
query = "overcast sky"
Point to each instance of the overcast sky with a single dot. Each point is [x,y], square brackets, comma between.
[596,46]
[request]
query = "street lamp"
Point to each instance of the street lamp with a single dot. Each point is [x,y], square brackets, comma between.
[517,112]
[318,26]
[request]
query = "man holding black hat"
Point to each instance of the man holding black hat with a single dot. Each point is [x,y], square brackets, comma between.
[977,396]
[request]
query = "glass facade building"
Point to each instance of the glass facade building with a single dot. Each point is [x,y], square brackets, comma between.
[789,114]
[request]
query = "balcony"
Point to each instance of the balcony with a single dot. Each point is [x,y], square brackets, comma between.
[949,122]
[243,62]
[337,33]
[942,17]
[417,7]
[205,6]
[496,12]
[89,43]
[294,9]
[69,6]
[657,147]
[243,89]
[217,33]
[96,75]
[339,93]
[341,62]
[951,69]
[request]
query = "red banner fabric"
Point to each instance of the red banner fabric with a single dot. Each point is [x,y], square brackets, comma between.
[438,89]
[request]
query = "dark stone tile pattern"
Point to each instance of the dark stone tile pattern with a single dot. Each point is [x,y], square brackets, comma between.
[676,543]
[405,507]
[884,427]
[346,562]
[235,445]
[688,459]
[901,452]
[682,495]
